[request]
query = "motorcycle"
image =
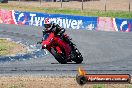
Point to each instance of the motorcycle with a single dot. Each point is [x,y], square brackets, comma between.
[52,42]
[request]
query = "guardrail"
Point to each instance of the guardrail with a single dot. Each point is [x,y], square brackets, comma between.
[66,21]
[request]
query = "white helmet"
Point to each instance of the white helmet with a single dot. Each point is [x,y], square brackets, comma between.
[47,23]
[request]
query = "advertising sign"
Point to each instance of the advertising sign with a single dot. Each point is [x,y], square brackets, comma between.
[65,21]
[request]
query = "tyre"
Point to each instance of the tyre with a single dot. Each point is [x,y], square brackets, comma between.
[79,60]
[81,80]
[79,57]
[58,57]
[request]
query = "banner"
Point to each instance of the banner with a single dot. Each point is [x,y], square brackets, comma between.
[123,25]
[66,21]
[6,17]
[105,24]
[114,24]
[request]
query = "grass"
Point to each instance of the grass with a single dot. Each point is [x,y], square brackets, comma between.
[10,48]
[3,47]
[129,86]
[13,86]
[119,14]
[6,47]
[99,86]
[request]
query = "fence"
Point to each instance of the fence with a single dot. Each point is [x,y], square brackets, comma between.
[97,5]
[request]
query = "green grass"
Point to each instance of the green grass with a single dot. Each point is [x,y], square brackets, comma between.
[13,86]
[99,86]
[3,47]
[119,14]
[129,86]
[6,47]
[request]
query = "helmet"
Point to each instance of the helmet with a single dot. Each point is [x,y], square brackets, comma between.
[47,23]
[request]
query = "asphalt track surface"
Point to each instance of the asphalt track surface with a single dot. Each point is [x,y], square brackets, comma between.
[103,52]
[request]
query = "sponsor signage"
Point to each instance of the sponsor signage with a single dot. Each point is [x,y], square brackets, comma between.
[83,78]
[66,21]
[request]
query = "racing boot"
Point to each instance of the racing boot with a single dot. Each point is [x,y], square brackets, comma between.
[69,59]
[71,56]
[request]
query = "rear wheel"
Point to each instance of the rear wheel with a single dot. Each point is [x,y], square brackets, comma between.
[58,57]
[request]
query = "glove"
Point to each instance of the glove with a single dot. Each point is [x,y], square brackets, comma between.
[44,46]
[59,34]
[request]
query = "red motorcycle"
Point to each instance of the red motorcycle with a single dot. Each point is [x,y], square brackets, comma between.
[61,53]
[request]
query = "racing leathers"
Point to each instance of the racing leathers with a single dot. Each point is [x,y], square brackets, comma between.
[58,31]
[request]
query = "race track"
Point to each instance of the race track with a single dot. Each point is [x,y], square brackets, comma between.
[103,52]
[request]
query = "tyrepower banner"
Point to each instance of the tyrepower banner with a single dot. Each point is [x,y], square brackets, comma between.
[66,21]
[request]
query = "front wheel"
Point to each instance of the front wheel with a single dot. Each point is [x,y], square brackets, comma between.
[58,57]
[79,58]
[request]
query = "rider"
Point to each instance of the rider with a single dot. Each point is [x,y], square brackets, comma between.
[53,27]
